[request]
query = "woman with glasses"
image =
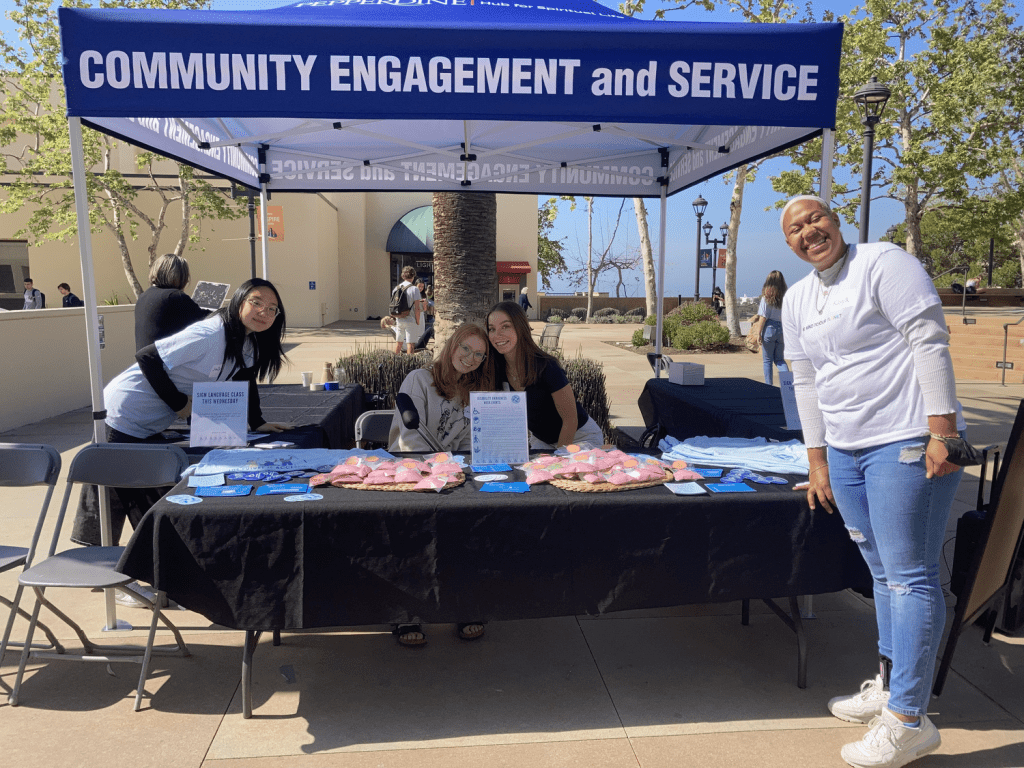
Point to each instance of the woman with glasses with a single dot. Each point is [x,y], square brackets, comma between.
[240,342]
[441,392]
[441,396]
[553,415]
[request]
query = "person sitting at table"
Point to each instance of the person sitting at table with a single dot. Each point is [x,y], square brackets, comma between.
[876,393]
[441,396]
[553,415]
[240,342]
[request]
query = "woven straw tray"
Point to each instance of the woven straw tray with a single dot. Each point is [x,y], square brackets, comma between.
[458,480]
[581,486]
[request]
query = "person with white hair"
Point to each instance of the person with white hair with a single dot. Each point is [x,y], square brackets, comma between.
[869,349]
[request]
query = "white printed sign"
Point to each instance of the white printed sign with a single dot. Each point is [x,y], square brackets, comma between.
[498,421]
[219,413]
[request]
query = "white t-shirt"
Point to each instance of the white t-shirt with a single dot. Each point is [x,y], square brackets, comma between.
[865,379]
[412,294]
[195,354]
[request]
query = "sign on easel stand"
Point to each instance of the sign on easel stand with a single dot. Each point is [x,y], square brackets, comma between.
[219,413]
[498,421]
[789,400]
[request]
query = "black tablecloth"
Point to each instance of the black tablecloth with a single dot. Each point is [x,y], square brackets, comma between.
[323,419]
[718,408]
[375,557]
[334,410]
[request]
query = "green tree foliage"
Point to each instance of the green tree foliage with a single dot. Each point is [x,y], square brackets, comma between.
[550,260]
[35,152]
[952,126]
[954,237]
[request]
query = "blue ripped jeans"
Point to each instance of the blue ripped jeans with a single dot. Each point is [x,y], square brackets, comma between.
[898,519]
[773,349]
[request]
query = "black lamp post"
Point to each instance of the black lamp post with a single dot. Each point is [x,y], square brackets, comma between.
[715,244]
[699,205]
[872,99]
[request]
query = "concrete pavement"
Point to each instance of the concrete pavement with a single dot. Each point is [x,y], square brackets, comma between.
[686,686]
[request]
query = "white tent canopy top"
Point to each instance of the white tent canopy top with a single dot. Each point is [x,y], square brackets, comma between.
[565,97]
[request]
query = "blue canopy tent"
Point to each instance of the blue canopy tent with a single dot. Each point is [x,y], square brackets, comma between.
[523,96]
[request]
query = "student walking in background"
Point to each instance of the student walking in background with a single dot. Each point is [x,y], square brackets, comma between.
[70,300]
[773,350]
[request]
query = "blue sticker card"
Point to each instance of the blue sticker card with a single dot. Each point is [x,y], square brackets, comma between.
[730,488]
[279,489]
[504,487]
[706,472]
[491,468]
[225,490]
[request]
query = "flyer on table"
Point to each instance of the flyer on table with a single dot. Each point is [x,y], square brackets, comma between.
[219,413]
[500,435]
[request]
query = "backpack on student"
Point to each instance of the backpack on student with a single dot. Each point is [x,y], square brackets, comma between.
[42,299]
[399,306]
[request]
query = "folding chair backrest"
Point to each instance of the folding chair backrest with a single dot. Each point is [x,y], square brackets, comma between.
[128,465]
[374,427]
[24,464]
[549,336]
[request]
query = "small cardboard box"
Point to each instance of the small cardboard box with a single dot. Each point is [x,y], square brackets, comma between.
[689,374]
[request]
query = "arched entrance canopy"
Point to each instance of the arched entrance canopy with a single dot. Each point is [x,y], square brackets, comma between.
[413,233]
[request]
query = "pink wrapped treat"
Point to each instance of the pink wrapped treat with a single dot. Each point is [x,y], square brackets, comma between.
[592,477]
[686,474]
[619,478]
[419,466]
[379,473]
[381,479]
[324,478]
[538,476]
[340,480]
[406,475]
[577,467]
[431,483]
[445,469]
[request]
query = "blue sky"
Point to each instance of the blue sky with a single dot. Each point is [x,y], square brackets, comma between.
[760,246]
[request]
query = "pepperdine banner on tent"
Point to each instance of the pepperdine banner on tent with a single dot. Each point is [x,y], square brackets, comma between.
[565,96]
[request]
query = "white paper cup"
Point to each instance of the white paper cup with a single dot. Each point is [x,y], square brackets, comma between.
[307,378]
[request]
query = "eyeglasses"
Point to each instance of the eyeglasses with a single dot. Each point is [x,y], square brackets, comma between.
[260,307]
[466,351]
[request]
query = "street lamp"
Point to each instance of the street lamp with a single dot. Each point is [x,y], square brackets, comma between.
[872,99]
[699,205]
[715,243]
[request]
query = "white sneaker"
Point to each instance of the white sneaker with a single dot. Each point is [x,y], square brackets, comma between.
[861,707]
[128,595]
[890,744]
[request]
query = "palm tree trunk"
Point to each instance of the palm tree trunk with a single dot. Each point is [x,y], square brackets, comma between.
[465,267]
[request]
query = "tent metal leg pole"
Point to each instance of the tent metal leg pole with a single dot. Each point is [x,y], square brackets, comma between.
[828,143]
[92,336]
[661,277]
[263,234]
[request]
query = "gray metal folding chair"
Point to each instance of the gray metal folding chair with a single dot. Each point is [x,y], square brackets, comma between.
[22,465]
[373,427]
[117,466]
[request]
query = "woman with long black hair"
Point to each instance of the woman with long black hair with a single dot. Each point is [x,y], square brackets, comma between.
[240,342]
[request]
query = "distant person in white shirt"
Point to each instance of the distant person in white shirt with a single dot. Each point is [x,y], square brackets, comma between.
[407,326]
[33,298]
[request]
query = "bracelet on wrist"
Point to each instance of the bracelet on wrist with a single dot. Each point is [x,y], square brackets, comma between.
[820,466]
[943,438]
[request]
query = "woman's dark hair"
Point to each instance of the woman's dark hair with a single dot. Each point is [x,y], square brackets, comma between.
[774,289]
[267,350]
[528,354]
